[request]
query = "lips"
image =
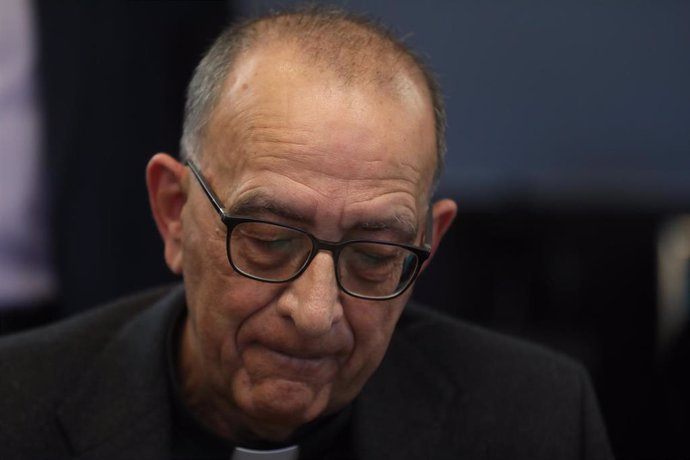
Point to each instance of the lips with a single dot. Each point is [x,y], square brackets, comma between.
[299,356]
[291,364]
[297,360]
[300,348]
[299,353]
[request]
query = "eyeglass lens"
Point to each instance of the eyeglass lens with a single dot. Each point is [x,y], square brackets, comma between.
[276,253]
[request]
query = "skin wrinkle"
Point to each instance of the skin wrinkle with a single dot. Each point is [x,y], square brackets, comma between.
[306,160]
[261,206]
[257,205]
[307,166]
[345,226]
[212,408]
[348,186]
[328,152]
[269,128]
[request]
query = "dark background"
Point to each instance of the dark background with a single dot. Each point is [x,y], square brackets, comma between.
[569,150]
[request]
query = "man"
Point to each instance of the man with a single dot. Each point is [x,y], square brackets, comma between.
[299,219]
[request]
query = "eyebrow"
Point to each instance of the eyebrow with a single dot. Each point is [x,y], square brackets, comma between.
[404,227]
[256,204]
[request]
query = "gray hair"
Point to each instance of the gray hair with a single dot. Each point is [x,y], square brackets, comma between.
[311,28]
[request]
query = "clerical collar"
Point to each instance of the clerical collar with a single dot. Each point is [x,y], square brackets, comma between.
[327,437]
[285,453]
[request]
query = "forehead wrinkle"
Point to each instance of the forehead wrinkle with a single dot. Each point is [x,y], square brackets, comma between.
[304,202]
[266,127]
[408,167]
[301,206]
[316,162]
[257,200]
[358,192]
[252,132]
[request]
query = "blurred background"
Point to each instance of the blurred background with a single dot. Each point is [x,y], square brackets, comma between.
[569,156]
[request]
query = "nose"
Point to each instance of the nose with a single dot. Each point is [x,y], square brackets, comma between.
[312,301]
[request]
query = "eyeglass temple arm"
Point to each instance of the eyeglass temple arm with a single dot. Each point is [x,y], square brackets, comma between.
[207,189]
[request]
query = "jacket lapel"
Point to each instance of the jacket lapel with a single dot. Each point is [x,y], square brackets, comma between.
[403,409]
[121,408]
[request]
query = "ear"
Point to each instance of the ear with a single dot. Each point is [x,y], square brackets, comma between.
[443,212]
[166,182]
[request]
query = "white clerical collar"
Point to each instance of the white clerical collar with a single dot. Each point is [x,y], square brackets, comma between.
[285,453]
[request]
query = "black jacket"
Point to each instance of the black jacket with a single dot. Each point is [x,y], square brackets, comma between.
[94,387]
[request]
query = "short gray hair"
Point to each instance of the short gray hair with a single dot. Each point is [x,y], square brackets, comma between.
[309,26]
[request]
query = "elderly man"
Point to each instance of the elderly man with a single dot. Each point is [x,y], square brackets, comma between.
[299,219]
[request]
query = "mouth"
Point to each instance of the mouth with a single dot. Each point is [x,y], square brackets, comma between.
[299,365]
[307,350]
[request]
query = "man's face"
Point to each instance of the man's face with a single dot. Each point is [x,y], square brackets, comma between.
[290,145]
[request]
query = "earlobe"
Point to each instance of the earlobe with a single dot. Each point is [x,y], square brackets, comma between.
[444,212]
[167,196]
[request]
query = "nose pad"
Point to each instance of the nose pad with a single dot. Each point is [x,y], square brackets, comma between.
[312,301]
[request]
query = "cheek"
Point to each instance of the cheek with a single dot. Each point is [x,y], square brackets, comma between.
[218,319]
[204,257]
[222,307]
[219,299]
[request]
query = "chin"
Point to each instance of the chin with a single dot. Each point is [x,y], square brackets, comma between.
[284,405]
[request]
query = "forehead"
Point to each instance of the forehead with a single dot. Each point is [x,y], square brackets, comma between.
[281,120]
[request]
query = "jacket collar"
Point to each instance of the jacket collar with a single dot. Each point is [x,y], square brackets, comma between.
[121,407]
[402,410]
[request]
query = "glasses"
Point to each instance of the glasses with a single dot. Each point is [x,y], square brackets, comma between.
[276,253]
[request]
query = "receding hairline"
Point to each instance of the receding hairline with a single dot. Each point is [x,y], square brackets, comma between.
[342,45]
[338,48]
[388,76]
[351,48]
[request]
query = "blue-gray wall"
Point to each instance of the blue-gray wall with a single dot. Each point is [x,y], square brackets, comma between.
[556,101]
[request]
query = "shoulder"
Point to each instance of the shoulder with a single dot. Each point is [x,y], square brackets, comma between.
[79,334]
[521,396]
[467,349]
[38,366]
[507,377]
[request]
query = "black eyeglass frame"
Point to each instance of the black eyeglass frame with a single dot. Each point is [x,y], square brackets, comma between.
[335,248]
